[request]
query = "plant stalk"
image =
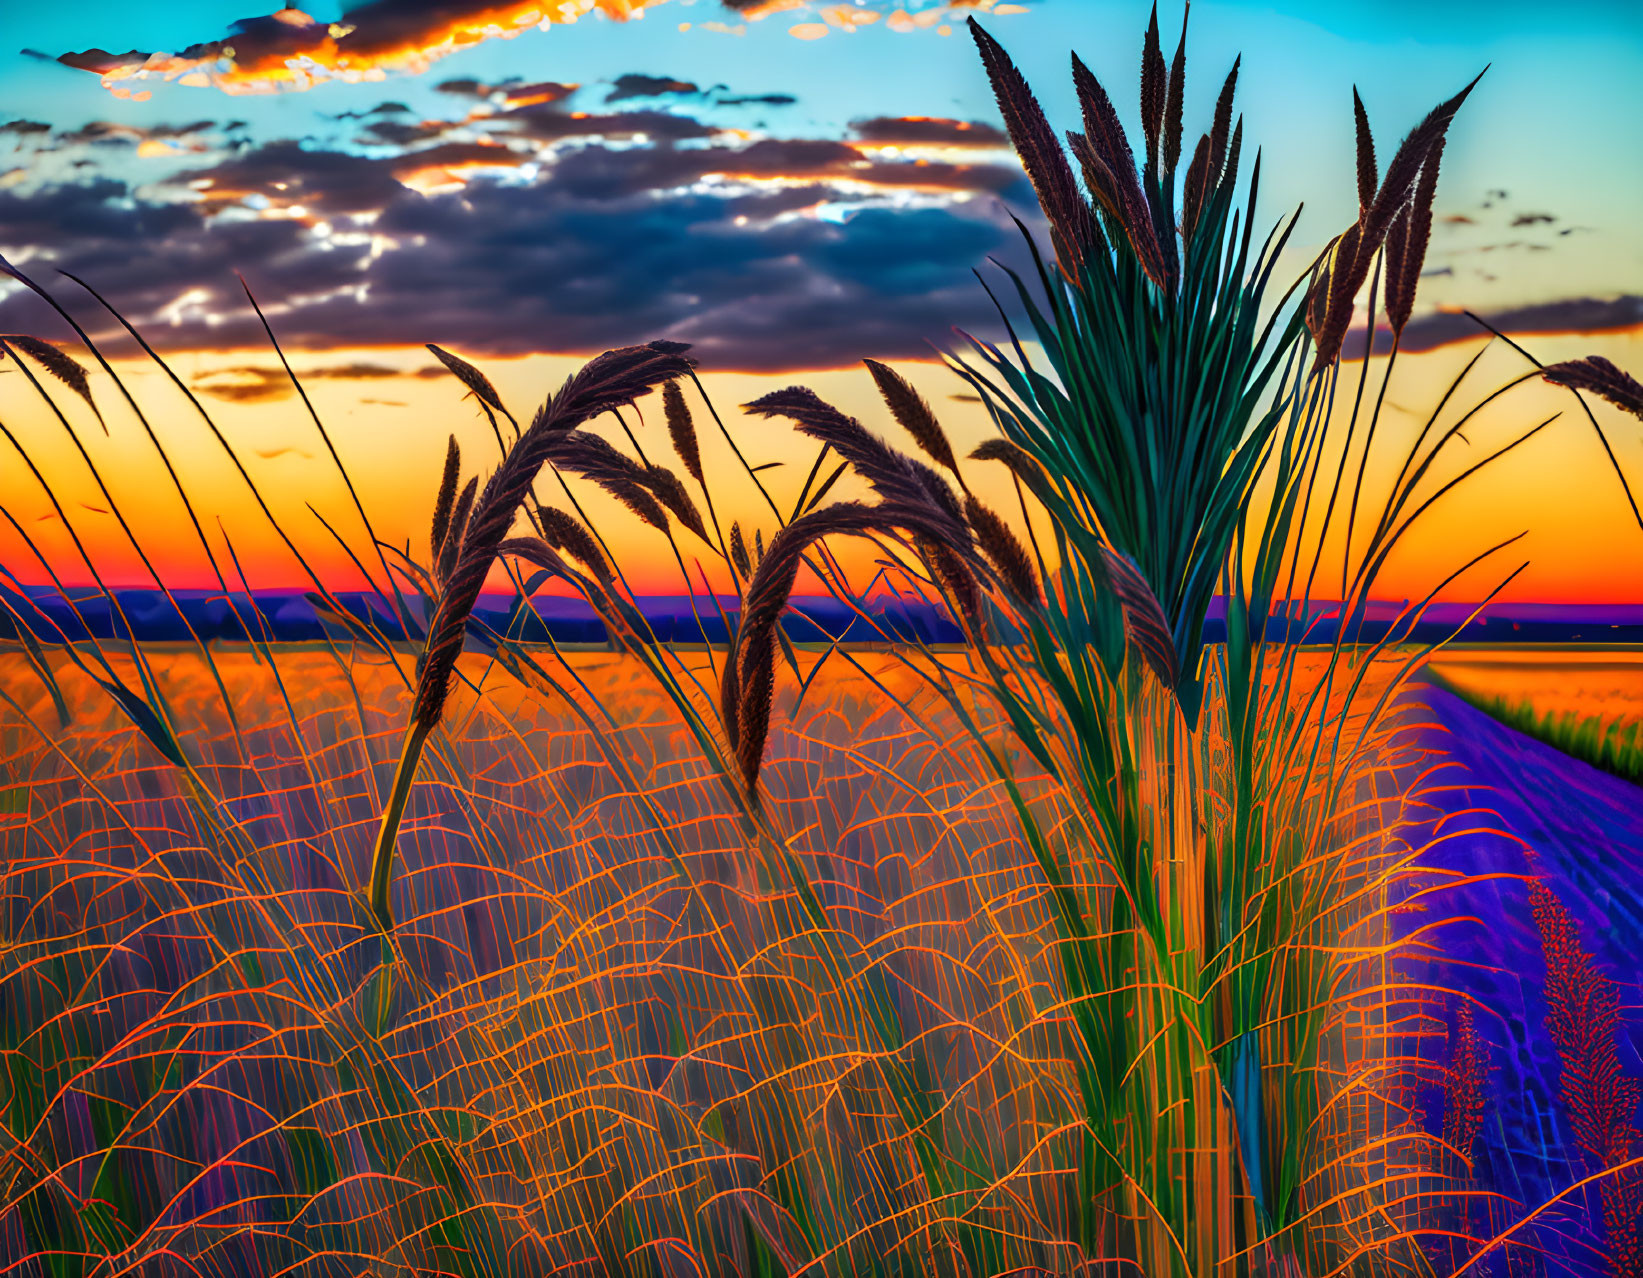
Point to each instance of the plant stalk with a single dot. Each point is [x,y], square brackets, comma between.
[382,859]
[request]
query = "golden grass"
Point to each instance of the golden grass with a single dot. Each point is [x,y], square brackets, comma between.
[584,1070]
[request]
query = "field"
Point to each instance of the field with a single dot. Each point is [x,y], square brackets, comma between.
[1185,912]
[1589,704]
[615,1030]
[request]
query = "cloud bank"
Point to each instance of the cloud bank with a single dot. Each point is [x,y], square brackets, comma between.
[536,227]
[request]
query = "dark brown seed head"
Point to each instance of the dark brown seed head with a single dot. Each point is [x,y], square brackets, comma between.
[670,491]
[1401,174]
[1600,377]
[65,368]
[1367,178]
[1344,281]
[1154,79]
[1411,255]
[451,548]
[443,499]
[1006,554]
[1119,195]
[1229,171]
[1397,252]
[586,454]
[913,414]
[469,376]
[1097,180]
[1144,620]
[738,551]
[682,429]
[1317,300]
[746,694]
[953,577]
[1350,271]
[1018,459]
[896,477]
[1197,189]
[1175,99]
[1222,126]
[564,532]
[1071,221]
[1106,139]
[612,380]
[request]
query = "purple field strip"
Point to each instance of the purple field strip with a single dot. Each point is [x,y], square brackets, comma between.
[1498,810]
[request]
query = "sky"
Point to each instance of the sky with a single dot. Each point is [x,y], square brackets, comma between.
[788,187]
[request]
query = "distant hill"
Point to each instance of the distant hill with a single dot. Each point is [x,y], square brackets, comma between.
[285,616]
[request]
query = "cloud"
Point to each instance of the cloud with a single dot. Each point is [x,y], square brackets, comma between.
[1568,315]
[110,131]
[382,108]
[756,99]
[919,130]
[594,253]
[649,86]
[253,383]
[403,132]
[602,172]
[532,227]
[292,50]
[508,93]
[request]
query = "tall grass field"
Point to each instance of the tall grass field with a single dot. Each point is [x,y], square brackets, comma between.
[1105,942]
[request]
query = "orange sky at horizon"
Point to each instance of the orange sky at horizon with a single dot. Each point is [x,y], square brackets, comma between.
[389,431]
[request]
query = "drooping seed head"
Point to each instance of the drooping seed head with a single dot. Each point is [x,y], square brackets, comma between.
[913,414]
[564,532]
[1600,377]
[1003,550]
[469,376]
[681,428]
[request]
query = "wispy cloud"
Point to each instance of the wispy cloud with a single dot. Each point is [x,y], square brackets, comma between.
[1568,315]
[291,50]
[255,383]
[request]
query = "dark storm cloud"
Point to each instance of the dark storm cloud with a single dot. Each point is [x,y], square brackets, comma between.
[518,268]
[142,256]
[329,182]
[928,131]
